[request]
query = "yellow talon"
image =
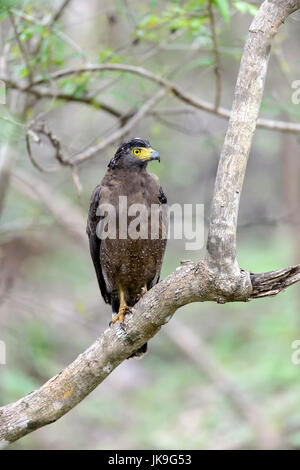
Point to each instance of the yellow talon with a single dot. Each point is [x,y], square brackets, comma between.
[123,310]
[121,315]
[142,293]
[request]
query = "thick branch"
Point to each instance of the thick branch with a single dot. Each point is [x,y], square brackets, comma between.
[63,392]
[221,245]
[269,284]
[189,283]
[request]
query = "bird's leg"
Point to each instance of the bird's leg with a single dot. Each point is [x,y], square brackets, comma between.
[142,293]
[122,310]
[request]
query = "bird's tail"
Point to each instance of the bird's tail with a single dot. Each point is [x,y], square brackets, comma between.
[140,352]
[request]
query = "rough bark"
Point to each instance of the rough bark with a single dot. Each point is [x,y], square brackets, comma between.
[218,278]
[221,244]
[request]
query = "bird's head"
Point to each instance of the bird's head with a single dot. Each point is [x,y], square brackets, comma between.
[135,153]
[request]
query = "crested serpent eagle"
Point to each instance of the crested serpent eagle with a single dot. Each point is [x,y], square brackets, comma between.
[127,266]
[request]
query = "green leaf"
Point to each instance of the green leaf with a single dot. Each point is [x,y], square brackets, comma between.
[23,72]
[223,7]
[245,7]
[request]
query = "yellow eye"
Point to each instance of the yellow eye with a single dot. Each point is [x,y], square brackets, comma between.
[136,152]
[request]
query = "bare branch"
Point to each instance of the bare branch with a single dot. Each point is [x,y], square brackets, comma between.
[57,14]
[81,157]
[45,93]
[189,283]
[54,142]
[188,98]
[270,284]
[221,245]
[120,133]
[175,89]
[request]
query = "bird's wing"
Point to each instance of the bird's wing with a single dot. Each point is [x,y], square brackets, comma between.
[161,196]
[95,241]
[163,200]
[164,213]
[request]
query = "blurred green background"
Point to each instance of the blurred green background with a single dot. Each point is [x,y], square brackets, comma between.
[237,387]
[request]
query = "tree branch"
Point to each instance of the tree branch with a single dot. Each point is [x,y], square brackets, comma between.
[269,284]
[189,283]
[120,133]
[221,244]
[92,151]
[50,21]
[188,98]
[21,46]
[40,93]
[57,14]
[175,89]
[217,67]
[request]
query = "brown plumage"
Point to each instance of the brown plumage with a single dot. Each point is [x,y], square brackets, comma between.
[127,268]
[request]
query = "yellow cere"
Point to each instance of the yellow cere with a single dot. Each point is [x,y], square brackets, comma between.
[142,153]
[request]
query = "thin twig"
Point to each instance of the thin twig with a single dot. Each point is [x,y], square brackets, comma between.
[56,15]
[22,48]
[175,89]
[50,22]
[120,133]
[34,133]
[81,157]
[217,67]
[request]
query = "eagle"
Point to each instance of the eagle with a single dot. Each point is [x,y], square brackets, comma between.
[127,266]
